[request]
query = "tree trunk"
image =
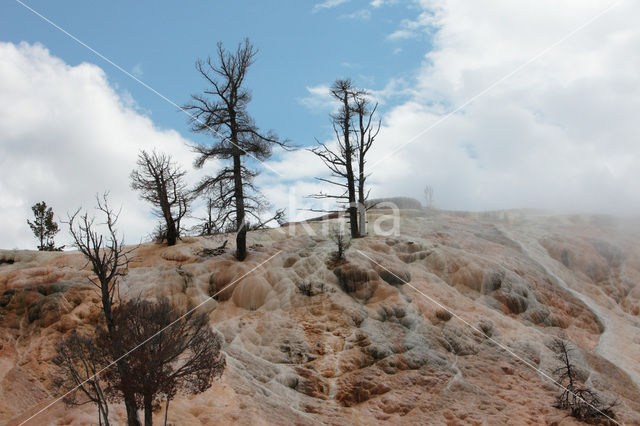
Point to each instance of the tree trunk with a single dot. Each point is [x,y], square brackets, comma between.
[100,415]
[353,210]
[172,233]
[103,406]
[241,236]
[363,220]
[209,226]
[105,414]
[241,244]
[348,155]
[361,207]
[148,411]
[166,411]
[128,396]
[132,411]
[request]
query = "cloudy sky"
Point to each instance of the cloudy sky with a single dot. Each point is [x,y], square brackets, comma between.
[495,104]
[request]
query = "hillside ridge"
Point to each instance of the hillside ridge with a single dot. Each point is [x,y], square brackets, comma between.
[312,340]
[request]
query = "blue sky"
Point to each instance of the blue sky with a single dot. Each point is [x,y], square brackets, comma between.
[301,45]
[552,124]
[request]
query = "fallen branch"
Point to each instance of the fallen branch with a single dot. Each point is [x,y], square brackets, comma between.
[214,251]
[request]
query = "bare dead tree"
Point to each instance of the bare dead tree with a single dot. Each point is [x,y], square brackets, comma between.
[161,183]
[210,225]
[565,374]
[339,160]
[366,132]
[342,241]
[278,217]
[109,260]
[181,353]
[584,404]
[79,360]
[428,196]
[213,223]
[221,111]
[220,211]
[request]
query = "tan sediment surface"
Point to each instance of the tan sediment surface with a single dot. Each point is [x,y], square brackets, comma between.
[383,353]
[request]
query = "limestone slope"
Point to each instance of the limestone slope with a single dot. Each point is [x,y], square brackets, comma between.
[369,340]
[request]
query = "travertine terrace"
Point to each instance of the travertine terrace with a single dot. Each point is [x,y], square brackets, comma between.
[382,353]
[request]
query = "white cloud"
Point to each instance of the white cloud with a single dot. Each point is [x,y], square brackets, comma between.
[65,135]
[560,134]
[296,182]
[137,70]
[414,28]
[396,87]
[294,197]
[328,4]
[298,164]
[319,99]
[378,3]
[362,14]
[402,34]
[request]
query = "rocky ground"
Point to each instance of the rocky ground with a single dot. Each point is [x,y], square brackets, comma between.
[449,322]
